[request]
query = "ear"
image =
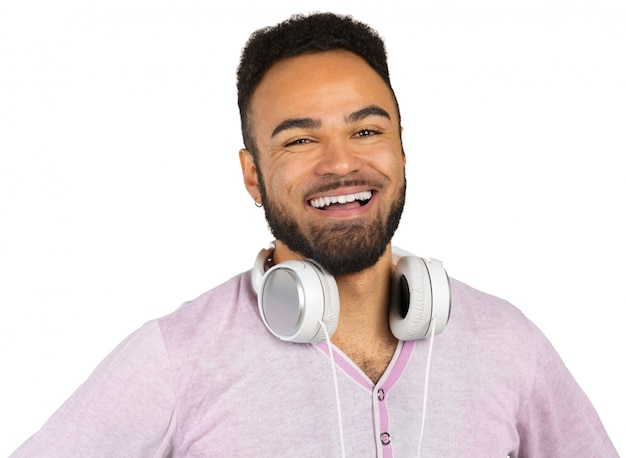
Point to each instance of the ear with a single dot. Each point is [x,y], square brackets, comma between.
[249,172]
[402,146]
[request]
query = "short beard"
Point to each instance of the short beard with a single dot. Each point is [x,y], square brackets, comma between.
[344,248]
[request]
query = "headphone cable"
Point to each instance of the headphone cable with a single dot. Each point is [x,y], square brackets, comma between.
[332,363]
[426,377]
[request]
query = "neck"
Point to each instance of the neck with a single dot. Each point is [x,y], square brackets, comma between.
[363,332]
[364,299]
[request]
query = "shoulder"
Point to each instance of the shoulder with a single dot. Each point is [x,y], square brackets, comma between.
[485,316]
[233,296]
[201,326]
[490,336]
[476,305]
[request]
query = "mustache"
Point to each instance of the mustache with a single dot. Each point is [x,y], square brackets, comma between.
[326,184]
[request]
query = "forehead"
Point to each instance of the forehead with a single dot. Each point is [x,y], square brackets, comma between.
[318,84]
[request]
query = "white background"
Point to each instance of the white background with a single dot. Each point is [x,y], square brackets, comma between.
[121,196]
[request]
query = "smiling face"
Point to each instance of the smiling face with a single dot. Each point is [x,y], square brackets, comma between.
[329,156]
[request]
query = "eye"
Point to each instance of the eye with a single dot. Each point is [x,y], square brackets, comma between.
[298,141]
[366,133]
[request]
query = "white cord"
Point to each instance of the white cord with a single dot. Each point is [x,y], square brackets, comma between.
[426,377]
[332,363]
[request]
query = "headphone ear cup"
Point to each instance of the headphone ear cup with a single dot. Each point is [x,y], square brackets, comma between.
[411,299]
[258,270]
[294,296]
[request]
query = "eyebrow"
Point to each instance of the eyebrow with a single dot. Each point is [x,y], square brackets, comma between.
[372,110]
[295,123]
[310,123]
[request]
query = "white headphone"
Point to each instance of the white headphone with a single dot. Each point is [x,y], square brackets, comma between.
[294,296]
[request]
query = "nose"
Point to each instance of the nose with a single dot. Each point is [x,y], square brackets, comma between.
[338,158]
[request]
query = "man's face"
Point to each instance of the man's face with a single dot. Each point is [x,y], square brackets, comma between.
[329,158]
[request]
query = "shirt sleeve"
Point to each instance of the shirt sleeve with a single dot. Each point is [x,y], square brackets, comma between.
[557,418]
[125,408]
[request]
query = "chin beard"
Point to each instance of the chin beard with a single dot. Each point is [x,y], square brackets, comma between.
[342,248]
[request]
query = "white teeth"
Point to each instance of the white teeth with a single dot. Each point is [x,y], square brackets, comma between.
[322,202]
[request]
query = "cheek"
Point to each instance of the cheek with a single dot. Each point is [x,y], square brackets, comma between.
[286,176]
[387,161]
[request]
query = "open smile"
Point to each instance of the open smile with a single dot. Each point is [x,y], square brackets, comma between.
[358,198]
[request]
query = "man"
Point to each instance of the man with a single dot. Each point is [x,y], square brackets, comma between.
[323,155]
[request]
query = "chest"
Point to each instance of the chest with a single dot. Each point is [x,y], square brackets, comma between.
[263,405]
[373,365]
[373,358]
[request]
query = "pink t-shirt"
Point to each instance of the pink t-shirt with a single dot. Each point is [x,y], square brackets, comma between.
[210,380]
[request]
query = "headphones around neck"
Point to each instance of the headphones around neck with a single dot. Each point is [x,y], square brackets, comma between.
[294,296]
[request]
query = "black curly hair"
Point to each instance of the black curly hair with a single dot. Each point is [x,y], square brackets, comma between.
[298,35]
